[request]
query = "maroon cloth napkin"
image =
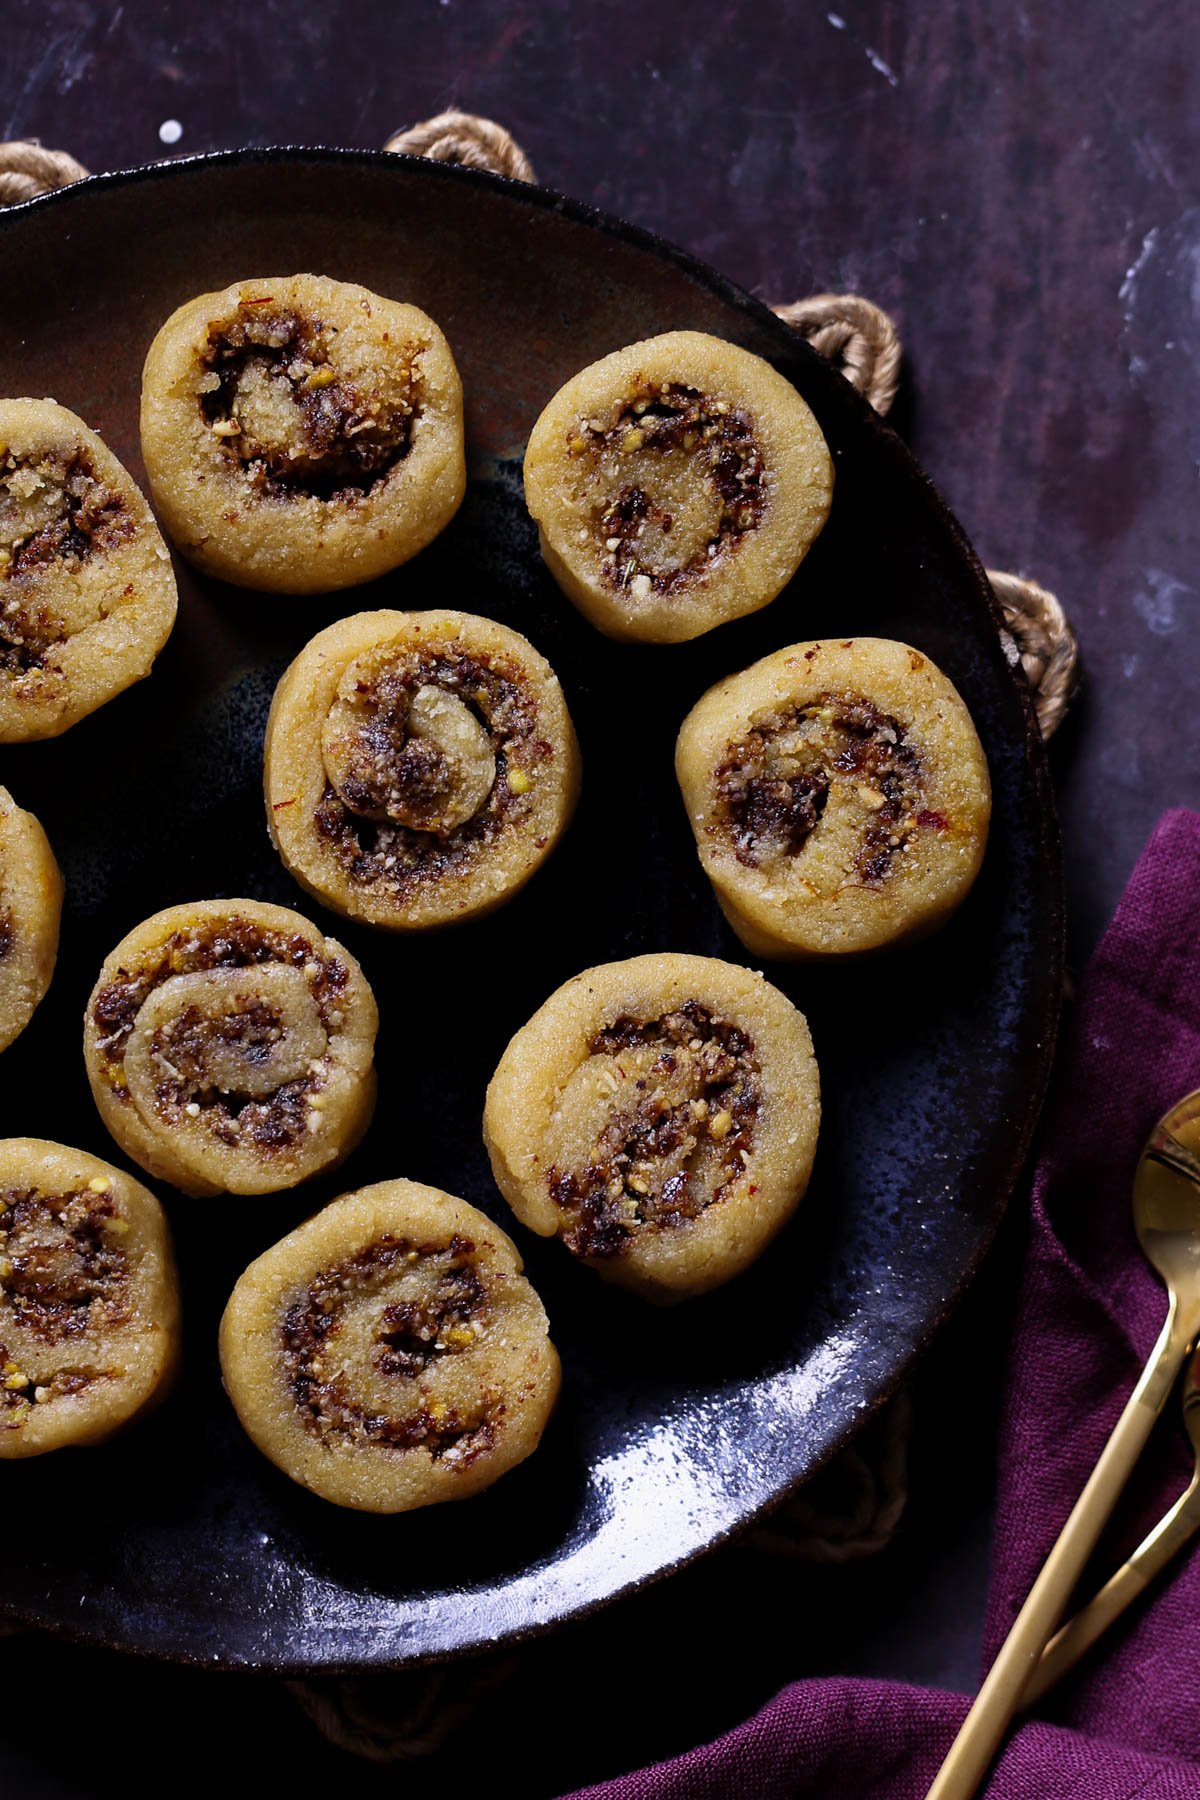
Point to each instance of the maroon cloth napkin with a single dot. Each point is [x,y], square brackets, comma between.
[1089,1311]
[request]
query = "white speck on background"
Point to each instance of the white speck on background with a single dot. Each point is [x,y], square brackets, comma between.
[837,21]
[876,61]
[170,131]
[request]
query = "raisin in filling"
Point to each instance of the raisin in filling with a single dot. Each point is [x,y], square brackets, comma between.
[690,485]
[686,1094]
[433,1306]
[55,513]
[774,785]
[62,1269]
[390,775]
[185,1049]
[292,418]
[7,932]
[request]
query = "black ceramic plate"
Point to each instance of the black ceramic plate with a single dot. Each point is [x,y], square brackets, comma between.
[675,1428]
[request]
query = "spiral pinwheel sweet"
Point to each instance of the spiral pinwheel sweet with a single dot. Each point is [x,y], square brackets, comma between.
[839,797]
[87,593]
[419,766]
[89,1302]
[676,484]
[230,1047]
[389,1353]
[301,433]
[660,1116]
[31,896]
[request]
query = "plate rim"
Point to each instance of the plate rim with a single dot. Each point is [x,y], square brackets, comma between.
[1044,1025]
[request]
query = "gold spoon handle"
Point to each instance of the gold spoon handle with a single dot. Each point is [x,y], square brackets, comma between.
[1154,1552]
[1000,1695]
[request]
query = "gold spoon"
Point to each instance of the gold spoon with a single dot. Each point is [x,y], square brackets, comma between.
[1172,1532]
[1166,1216]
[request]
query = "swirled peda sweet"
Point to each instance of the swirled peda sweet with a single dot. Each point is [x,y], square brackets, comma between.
[389,1353]
[89,1301]
[676,484]
[31,896]
[419,766]
[300,433]
[660,1116]
[230,1047]
[87,593]
[839,796]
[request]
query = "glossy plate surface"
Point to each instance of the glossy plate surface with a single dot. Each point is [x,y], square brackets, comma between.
[675,1428]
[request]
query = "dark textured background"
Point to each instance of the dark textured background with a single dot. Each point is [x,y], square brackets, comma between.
[1018,186]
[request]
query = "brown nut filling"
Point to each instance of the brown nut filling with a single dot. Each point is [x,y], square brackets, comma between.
[293,420]
[676,440]
[62,1273]
[775,782]
[402,804]
[55,512]
[442,1309]
[192,1044]
[680,1131]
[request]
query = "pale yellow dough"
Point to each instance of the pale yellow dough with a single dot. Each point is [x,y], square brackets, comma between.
[31,897]
[839,797]
[676,484]
[229,1046]
[389,1353]
[301,434]
[87,593]
[660,1115]
[89,1299]
[420,767]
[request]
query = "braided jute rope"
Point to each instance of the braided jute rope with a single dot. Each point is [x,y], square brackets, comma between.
[851,1509]
[1045,642]
[466,138]
[401,1715]
[27,170]
[854,334]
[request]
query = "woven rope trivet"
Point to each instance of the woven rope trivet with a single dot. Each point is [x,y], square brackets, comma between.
[466,138]
[855,335]
[850,1510]
[401,1715]
[27,170]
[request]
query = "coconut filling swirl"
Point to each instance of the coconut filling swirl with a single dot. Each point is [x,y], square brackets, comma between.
[681,481]
[275,394]
[364,1347]
[427,756]
[227,1040]
[652,1128]
[55,514]
[838,778]
[63,1276]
